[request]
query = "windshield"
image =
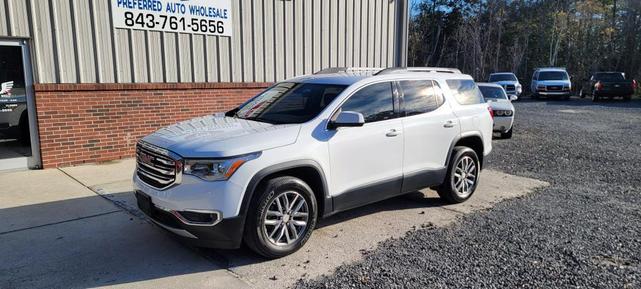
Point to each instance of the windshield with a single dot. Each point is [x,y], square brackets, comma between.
[553,75]
[502,77]
[289,102]
[615,76]
[490,92]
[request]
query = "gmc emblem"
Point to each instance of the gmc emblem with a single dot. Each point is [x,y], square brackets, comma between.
[145,158]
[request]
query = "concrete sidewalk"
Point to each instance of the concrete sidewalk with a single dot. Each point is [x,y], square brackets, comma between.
[79,227]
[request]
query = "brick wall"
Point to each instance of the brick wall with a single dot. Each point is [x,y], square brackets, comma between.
[81,123]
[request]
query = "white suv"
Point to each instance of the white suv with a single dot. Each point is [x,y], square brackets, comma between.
[309,147]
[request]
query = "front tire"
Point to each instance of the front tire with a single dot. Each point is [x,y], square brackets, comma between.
[282,217]
[462,176]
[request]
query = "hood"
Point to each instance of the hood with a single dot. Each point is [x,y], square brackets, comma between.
[500,104]
[216,136]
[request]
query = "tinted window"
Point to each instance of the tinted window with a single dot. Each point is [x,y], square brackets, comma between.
[375,102]
[289,102]
[419,96]
[465,91]
[553,75]
[614,76]
[490,92]
[502,77]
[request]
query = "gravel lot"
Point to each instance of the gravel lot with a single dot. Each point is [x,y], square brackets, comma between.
[582,231]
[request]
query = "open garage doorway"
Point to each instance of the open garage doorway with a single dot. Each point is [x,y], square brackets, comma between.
[18,131]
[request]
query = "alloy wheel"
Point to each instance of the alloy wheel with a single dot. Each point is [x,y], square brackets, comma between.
[286,218]
[465,175]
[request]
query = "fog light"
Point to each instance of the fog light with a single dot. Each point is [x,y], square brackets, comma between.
[198,218]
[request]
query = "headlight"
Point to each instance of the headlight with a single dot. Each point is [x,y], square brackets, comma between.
[216,169]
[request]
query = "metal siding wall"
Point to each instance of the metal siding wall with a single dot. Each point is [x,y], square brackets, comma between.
[103,41]
[258,37]
[308,41]
[45,66]
[269,53]
[155,62]
[4,25]
[299,37]
[86,64]
[18,20]
[199,58]
[65,41]
[170,59]
[391,12]
[317,39]
[74,41]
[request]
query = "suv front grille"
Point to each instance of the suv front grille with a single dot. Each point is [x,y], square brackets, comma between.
[155,167]
[510,87]
[555,87]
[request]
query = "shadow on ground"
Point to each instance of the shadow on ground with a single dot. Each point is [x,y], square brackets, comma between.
[99,244]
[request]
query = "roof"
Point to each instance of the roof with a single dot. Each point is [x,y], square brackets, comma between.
[510,73]
[550,69]
[351,75]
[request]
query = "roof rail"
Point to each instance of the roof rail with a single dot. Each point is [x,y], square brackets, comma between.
[539,68]
[350,70]
[392,70]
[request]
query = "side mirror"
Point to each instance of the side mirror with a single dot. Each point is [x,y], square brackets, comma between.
[347,119]
[513,97]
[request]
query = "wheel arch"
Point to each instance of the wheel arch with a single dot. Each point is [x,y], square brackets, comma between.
[473,141]
[307,170]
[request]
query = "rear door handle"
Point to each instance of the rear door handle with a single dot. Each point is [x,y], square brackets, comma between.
[392,133]
[449,124]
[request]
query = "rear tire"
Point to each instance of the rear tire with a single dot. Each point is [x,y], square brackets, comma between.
[627,98]
[281,218]
[462,176]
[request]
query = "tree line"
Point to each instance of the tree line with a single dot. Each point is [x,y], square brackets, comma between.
[484,36]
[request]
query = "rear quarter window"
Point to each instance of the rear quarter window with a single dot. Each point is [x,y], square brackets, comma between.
[465,91]
[420,96]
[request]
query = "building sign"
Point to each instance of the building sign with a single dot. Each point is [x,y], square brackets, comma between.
[210,17]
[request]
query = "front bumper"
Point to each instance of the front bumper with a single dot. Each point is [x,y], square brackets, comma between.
[554,93]
[503,123]
[225,234]
[193,194]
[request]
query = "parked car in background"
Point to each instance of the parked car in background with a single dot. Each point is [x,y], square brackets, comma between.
[551,82]
[501,104]
[309,147]
[508,81]
[13,112]
[608,84]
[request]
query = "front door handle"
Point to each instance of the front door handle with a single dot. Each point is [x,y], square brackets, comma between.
[392,133]
[449,124]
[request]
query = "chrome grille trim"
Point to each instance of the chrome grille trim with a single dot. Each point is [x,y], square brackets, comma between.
[157,167]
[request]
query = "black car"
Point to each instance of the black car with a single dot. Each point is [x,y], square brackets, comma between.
[608,84]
